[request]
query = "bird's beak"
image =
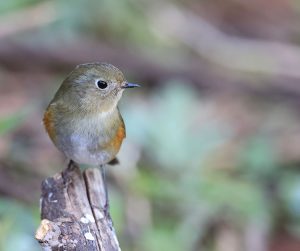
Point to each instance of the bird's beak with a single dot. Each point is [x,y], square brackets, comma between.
[126,85]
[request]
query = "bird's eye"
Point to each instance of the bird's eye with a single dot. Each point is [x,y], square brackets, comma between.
[101,84]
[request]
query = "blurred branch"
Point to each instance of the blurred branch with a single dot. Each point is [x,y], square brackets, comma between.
[241,54]
[35,16]
[14,57]
[278,62]
[73,213]
[68,54]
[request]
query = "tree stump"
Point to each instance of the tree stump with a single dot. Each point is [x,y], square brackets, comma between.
[73,213]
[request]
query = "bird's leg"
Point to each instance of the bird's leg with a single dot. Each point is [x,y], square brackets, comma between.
[71,165]
[106,205]
[66,173]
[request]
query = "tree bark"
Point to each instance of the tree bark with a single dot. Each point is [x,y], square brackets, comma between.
[73,212]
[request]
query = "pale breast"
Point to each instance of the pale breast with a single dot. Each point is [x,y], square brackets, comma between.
[94,140]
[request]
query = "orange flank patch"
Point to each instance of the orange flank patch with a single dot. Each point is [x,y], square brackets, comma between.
[48,123]
[117,140]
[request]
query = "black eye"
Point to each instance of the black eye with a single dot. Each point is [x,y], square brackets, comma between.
[101,84]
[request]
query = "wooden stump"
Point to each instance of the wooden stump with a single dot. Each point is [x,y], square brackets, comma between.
[73,213]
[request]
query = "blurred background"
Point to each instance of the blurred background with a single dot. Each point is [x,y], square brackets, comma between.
[211,161]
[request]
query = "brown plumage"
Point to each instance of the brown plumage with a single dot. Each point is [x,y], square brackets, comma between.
[83,120]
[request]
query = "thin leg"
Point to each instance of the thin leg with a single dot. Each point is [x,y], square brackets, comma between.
[71,164]
[67,172]
[106,206]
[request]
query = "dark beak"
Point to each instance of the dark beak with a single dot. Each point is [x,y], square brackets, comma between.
[129,85]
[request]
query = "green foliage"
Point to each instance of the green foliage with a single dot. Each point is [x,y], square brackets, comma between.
[160,239]
[103,19]
[168,129]
[18,225]
[11,122]
[241,199]
[179,137]
[258,157]
[6,6]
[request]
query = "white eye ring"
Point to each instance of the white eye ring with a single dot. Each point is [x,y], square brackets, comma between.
[101,84]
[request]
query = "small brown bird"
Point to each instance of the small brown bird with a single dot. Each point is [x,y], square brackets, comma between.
[83,120]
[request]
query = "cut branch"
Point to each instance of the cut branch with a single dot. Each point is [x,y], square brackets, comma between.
[73,213]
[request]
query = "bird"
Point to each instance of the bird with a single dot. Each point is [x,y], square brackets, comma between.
[83,119]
